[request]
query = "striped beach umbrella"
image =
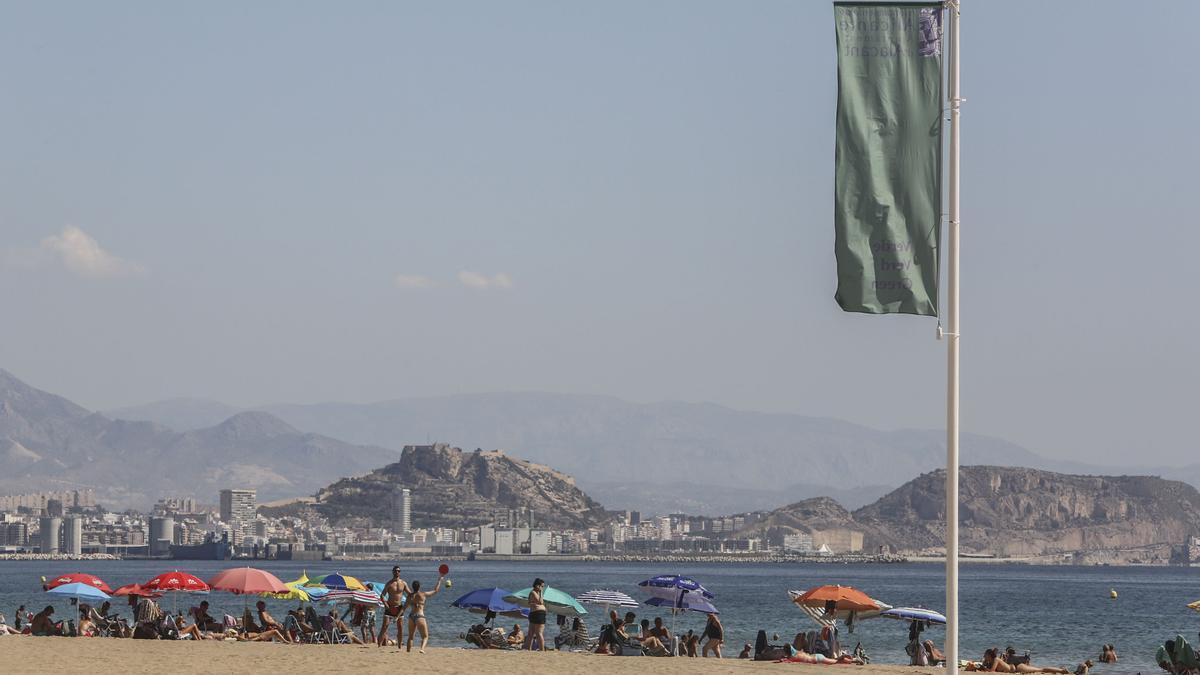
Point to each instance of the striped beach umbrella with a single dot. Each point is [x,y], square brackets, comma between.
[607,599]
[914,614]
[342,596]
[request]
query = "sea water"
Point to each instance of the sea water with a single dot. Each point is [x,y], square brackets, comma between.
[1060,614]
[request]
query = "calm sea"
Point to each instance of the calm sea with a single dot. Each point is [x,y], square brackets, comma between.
[1060,614]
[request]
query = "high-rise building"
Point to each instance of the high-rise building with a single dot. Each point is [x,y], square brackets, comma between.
[402,510]
[73,536]
[238,509]
[162,534]
[14,534]
[51,531]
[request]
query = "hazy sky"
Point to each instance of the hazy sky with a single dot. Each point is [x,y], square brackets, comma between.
[283,201]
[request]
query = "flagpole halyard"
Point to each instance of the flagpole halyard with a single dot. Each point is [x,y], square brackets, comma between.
[952,354]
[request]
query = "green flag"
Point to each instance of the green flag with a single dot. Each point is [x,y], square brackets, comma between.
[888,165]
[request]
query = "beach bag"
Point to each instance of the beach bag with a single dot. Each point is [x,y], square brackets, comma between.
[229,622]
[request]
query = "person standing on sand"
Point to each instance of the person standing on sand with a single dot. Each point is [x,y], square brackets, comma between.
[537,617]
[715,632]
[393,597]
[416,614]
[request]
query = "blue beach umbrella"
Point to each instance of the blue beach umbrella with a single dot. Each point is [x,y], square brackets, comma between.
[670,586]
[484,600]
[78,591]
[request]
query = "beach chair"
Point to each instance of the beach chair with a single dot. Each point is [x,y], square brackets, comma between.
[332,635]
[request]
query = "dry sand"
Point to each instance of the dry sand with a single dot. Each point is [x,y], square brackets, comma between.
[22,654]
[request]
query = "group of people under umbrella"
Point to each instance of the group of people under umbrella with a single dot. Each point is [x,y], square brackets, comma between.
[678,594]
[93,597]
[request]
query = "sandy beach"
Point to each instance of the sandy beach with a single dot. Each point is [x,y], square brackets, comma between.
[98,655]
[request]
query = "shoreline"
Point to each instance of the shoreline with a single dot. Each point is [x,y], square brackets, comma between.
[626,559]
[154,657]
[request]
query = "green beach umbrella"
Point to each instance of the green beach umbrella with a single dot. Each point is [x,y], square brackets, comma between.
[556,601]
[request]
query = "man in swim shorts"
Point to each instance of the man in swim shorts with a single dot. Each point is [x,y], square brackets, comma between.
[393,596]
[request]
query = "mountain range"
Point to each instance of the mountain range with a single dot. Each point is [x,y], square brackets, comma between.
[655,457]
[50,443]
[1017,512]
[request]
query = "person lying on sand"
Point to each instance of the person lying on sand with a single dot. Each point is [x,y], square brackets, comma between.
[993,662]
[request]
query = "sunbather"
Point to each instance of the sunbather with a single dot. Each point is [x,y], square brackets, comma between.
[346,631]
[516,637]
[933,654]
[993,662]
[43,624]
[651,645]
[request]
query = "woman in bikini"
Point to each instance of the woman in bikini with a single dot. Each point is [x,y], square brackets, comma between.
[537,617]
[416,613]
[993,662]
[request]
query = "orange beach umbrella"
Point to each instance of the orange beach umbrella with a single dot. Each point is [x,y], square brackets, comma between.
[845,598]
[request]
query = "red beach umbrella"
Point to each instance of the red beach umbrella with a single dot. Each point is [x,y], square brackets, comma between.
[247,580]
[79,578]
[175,581]
[137,590]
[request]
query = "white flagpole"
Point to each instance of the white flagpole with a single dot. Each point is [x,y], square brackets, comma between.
[952,389]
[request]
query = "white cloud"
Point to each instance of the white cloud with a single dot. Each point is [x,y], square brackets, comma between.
[413,281]
[82,254]
[482,282]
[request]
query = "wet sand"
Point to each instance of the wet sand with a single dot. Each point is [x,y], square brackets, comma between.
[21,655]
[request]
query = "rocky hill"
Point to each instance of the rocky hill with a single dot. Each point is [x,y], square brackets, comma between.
[460,489]
[48,442]
[1016,512]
